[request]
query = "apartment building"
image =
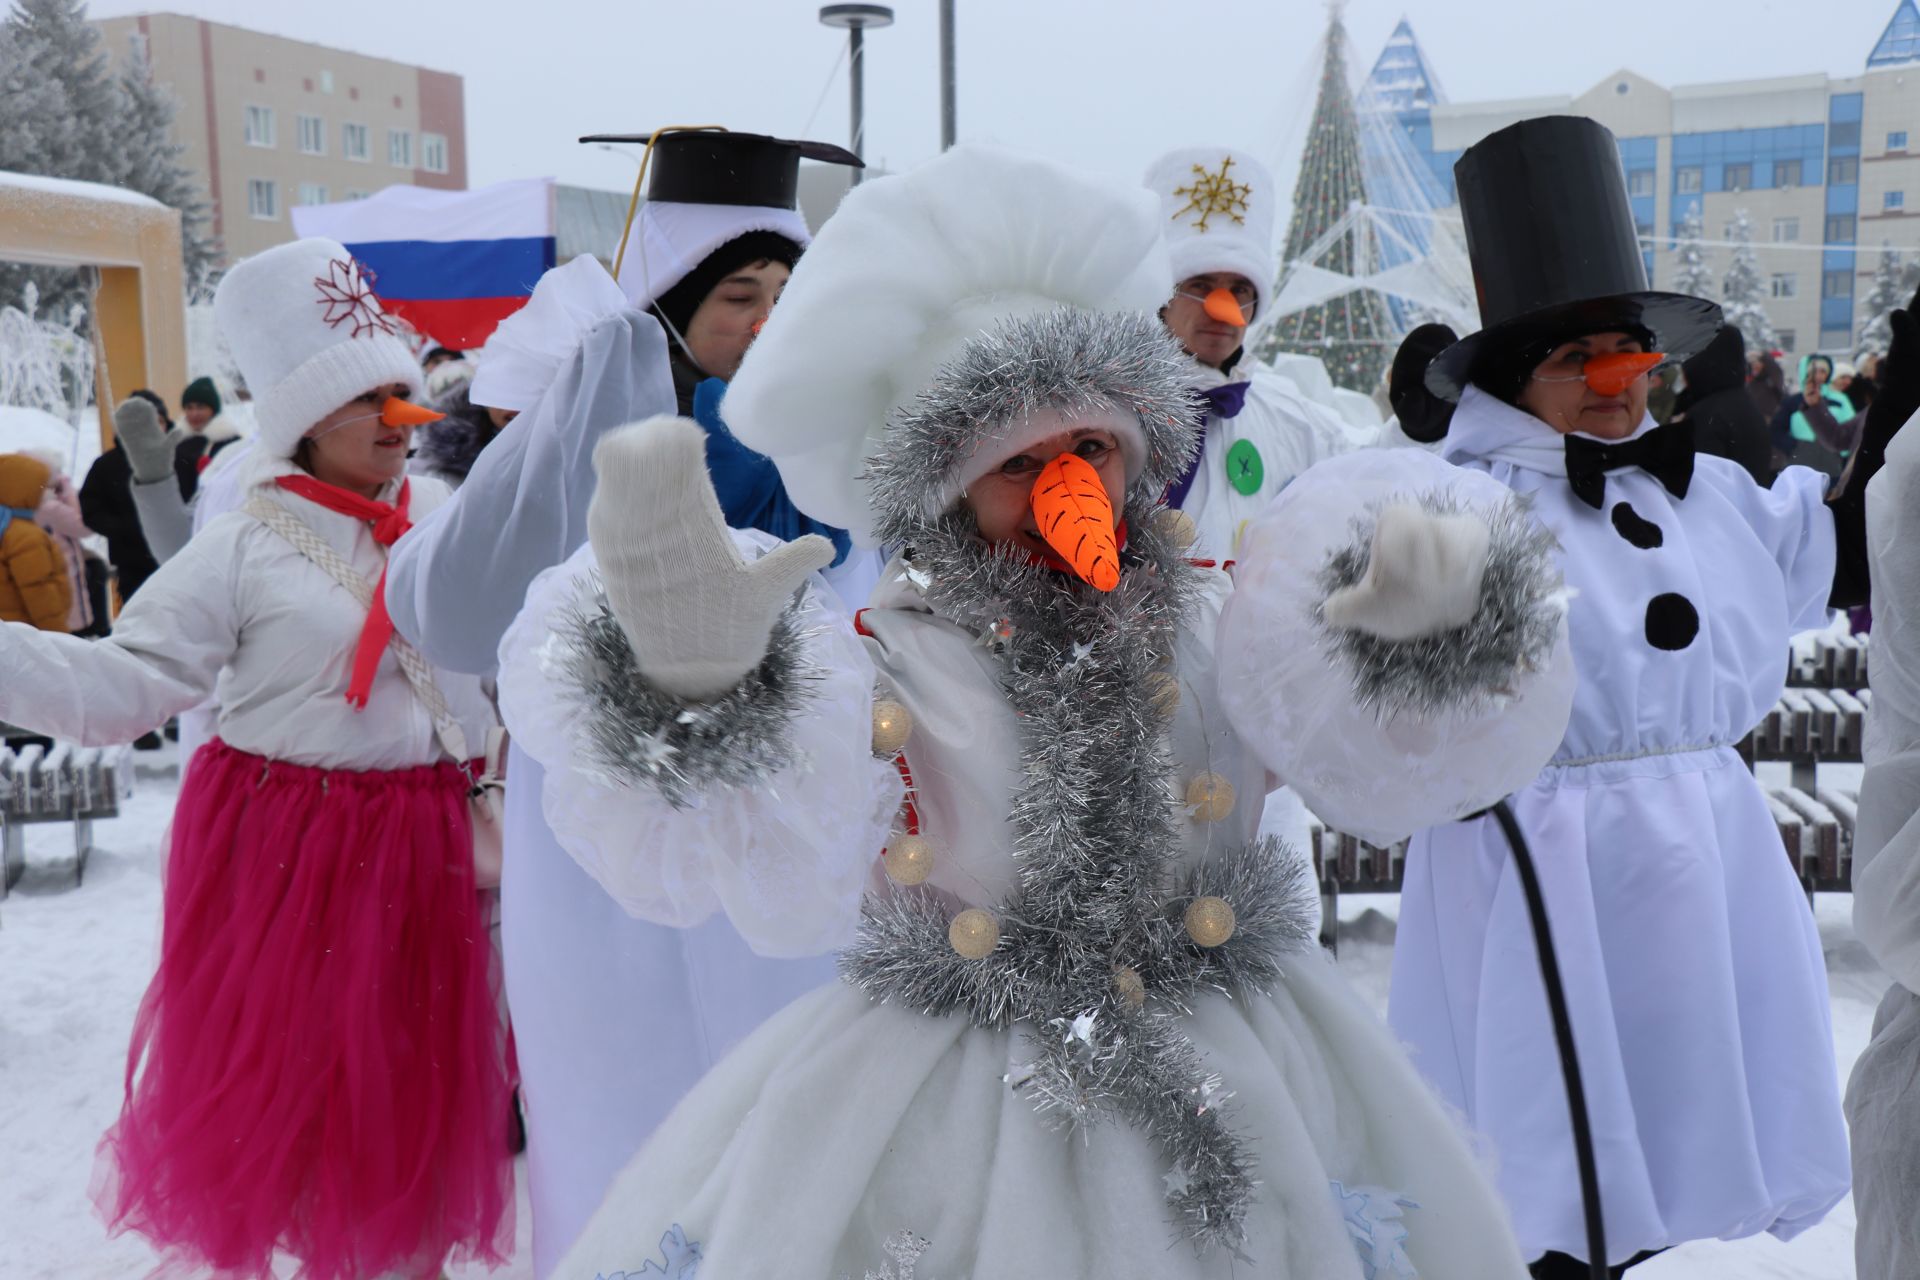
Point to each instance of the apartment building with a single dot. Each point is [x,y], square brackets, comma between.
[269,123]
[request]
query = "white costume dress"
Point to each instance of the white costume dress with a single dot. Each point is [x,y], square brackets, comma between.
[1883,1098]
[1245,460]
[1692,965]
[1248,458]
[844,1121]
[614,1018]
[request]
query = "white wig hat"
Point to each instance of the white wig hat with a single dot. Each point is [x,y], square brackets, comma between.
[949,306]
[1217,211]
[309,335]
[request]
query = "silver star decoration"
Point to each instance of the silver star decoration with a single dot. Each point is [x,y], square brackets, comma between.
[1081,652]
[654,749]
[1082,1028]
[1178,1180]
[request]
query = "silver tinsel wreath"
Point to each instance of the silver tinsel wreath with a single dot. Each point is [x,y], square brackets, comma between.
[639,735]
[1522,598]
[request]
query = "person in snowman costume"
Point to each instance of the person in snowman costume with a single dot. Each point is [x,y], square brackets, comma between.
[1258,432]
[1084,1022]
[614,1018]
[1692,966]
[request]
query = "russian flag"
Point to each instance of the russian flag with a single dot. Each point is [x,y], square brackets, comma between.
[453,264]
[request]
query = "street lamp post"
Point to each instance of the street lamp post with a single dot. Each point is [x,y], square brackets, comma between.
[855,19]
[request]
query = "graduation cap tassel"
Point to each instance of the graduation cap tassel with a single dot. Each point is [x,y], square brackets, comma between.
[646,157]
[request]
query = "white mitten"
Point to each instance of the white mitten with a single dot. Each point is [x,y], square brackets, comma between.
[149,447]
[697,615]
[1423,576]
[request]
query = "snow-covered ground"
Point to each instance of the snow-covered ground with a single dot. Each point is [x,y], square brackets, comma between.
[74,960]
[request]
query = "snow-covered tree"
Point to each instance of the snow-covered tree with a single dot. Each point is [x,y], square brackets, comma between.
[1691,273]
[1744,291]
[64,113]
[1894,283]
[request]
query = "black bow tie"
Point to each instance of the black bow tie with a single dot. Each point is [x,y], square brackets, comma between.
[1665,453]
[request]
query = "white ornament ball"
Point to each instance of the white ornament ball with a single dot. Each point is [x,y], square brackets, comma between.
[1209,797]
[909,860]
[1209,921]
[892,725]
[974,933]
[1177,527]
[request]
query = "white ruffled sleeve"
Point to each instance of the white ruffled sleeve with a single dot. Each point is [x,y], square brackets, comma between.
[785,852]
[1381,740]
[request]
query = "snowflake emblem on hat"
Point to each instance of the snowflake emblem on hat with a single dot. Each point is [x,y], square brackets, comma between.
[346,291]
[1214,193]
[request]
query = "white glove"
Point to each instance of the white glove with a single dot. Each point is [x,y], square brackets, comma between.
[697,615]
[149,447]
[1423,576]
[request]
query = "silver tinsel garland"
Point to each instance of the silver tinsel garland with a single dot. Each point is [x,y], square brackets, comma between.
[1522,598]
[639,735]
[1096,830]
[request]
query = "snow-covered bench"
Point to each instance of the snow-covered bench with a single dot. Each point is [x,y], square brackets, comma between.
[1828,662]
[66,784]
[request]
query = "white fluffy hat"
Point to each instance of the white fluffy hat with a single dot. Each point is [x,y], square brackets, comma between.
[908,273]
[669,239]
[1217,210]
[309,336]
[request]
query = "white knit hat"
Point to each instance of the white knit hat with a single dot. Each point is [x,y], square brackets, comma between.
[1217,209]
[910,274]
[309,336]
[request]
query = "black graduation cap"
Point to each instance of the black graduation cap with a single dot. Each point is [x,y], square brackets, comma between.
[1555,252]
[713,166]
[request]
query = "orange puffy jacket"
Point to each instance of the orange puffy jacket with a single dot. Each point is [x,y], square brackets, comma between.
[33,578]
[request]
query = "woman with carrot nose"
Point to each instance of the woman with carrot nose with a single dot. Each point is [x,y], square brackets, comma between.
[317,1067]
[1083,1021]
[1693,969]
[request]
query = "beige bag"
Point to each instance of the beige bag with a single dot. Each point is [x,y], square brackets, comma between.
[486,796]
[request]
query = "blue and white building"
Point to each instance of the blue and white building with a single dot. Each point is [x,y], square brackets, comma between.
[1828,170]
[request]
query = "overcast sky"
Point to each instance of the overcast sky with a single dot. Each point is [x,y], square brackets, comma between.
[1106,84]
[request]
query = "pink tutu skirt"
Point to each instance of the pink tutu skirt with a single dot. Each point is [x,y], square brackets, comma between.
[319,1065]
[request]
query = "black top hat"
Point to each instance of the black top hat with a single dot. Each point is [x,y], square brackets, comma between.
[1554,250]
[713,166]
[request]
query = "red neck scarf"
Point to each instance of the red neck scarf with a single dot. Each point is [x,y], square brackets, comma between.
[389,520]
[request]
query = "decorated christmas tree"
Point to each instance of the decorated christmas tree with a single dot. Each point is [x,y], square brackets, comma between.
[1691,274]
[1894,282]
[1352,334]
[1743,293]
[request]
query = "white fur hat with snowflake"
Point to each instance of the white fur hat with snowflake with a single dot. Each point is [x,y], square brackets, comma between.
[911,280]
[1217,208]
[309,336]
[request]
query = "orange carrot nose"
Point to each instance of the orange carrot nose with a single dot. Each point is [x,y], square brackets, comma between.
[1224,307]
[758,325]
[1075,516]
[1611,374]
[405,413]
